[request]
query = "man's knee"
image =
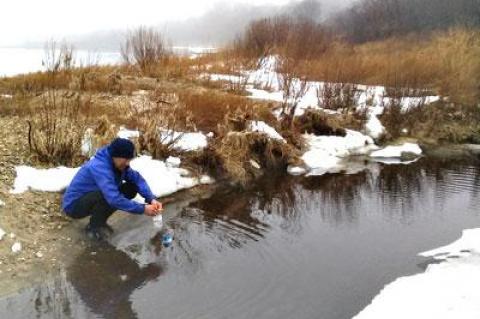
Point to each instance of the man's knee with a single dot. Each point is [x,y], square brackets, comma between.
[129,190]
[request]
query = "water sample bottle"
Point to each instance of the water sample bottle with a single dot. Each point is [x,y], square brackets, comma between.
[167,237]
[158,221]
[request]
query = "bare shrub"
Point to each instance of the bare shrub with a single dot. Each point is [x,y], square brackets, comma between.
[159,122]
[56,128]
[268,36]
[58,119]
[337,96]
[144,47]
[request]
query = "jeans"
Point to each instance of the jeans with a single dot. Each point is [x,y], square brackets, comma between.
[94,204]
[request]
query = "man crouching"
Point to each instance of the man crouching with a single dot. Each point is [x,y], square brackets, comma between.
[106,183]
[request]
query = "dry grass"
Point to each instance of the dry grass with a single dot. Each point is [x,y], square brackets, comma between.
[319,123]
[445,62]
[239,153]
[439,122]
[209,108]
[57,126]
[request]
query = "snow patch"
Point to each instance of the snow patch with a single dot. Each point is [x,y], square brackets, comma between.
[374,127]
[262,127]
[49,180]
[163,179]
[296,170]
[128,134]
[448,290]
[325,153]
[184,141]
[398,150]
[2,233]
[467,244]
[173,161]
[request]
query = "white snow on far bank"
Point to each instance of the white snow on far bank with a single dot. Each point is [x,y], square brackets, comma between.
[2,203]
[224,77]
[448,290]
[374,127]
[184,141]
[276,96]
[128,134]
[163,179]
[393,160]
[6,96]
[325,153]
[397,151]
[266,76]
[262,127]
[49,180]
[265,83]
[2,233]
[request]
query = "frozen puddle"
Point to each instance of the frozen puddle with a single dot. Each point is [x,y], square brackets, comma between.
[449,289]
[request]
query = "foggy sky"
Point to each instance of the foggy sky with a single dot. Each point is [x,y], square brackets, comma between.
[89,21]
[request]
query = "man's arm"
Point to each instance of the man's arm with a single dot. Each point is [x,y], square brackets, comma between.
[105,180]
[135,177]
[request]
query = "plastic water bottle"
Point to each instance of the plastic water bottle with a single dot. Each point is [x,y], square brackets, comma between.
[167,237]
[158,221]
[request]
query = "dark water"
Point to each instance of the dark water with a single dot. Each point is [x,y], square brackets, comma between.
[319,247]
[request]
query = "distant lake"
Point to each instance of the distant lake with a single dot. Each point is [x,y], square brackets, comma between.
[15,61]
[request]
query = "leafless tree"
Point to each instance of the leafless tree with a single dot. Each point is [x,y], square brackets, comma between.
[144,47]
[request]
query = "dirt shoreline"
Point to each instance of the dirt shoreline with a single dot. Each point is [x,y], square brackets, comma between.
[49,239]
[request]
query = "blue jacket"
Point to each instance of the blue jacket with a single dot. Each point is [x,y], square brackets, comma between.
[99,174]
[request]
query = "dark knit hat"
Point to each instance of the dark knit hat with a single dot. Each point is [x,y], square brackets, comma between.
[121,147]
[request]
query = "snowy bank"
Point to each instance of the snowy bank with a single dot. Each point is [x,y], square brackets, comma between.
[181,141]
[163,178]
[128,134]
[48,180]
[265,83]
[448,290]
[325,154]
[398,151]
[374,127]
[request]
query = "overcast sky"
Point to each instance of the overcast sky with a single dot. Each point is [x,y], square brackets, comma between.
[33,20]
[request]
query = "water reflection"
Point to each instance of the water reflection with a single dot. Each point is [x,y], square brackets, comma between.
[327,244]
[396,191]
[106,278]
